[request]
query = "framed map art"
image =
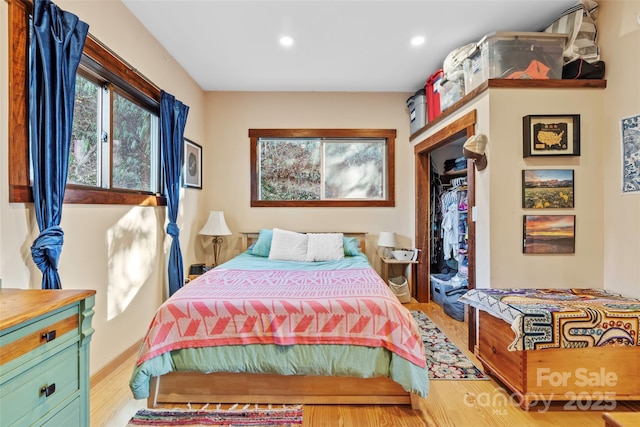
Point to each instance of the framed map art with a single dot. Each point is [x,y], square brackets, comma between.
[551,135]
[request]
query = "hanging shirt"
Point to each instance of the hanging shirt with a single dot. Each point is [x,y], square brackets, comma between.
[450,244]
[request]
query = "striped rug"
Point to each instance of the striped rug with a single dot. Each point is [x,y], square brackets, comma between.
[236,416]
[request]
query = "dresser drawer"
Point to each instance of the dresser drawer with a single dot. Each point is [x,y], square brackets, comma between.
[39,335]
[67,416]
[23,398]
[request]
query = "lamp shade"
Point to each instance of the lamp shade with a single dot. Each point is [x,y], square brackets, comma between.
[387,239]
[215,226]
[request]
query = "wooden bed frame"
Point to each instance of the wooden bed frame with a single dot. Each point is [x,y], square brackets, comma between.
[195,387]
[586,378]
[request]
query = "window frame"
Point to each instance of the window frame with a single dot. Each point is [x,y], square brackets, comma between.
[95,57]
[388,134]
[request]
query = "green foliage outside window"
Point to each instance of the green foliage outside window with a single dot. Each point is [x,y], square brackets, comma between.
[132,139]
[83,153]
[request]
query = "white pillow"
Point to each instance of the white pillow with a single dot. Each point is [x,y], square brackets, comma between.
[288,246]
[324,246]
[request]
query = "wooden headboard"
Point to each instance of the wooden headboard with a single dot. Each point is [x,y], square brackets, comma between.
[250,237]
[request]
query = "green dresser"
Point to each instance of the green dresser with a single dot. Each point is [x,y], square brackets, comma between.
[44,357]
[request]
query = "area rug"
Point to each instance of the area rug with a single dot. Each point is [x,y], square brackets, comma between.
[236,416]
[444,359]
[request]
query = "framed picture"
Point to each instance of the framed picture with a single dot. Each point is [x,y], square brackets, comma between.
[552,135]
[192,165]
[547,189]
[549,234]
[630,128]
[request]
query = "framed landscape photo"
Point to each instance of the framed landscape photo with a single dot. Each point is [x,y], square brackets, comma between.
[551,135]
[547,189]
[192,165]
[549,234]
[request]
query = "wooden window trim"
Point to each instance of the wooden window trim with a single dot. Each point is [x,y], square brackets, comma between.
[97,55]
[388,134]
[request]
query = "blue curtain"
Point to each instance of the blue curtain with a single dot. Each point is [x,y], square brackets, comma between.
[173,117]
[57,41]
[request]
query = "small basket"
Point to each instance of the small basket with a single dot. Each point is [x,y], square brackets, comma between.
[400,287]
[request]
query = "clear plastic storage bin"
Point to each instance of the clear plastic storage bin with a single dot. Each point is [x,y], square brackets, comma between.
[513,55]
[451,91]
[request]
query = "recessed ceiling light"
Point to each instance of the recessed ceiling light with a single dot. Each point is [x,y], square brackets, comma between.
[286,41]
[417,40]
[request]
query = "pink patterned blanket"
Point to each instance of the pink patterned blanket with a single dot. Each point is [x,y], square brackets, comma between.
[235,307]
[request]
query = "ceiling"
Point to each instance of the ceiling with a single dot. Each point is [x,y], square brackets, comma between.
[343,46]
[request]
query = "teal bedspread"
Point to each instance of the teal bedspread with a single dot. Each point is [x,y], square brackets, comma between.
[326,360]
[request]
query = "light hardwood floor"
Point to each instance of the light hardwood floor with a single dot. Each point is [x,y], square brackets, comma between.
[450,403]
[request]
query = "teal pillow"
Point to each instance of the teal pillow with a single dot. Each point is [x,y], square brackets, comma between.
[351,246]
[262,247]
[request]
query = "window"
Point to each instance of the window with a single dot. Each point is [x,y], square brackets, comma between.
[129,160]
[322,167]
[114,157]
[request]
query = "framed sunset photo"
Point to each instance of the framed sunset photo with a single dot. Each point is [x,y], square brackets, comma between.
[549,234]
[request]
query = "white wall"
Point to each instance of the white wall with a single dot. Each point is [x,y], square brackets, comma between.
[619,41]
[510,268]
[226,170]
[119,251]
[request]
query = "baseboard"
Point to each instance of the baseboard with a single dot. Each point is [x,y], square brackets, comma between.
[114,364]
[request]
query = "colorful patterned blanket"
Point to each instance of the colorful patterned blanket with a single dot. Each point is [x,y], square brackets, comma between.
[562,318]
[235,307]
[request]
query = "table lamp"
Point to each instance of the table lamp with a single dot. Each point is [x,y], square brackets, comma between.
[387,240]
[216,227]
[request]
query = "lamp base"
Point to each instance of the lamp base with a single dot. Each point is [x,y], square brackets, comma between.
[217,244]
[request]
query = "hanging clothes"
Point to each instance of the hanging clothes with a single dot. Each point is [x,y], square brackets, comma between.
[450,242]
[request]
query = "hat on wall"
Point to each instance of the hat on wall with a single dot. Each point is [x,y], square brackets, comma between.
[473,149]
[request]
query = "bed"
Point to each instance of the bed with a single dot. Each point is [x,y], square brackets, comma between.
[575,345]
[263,330]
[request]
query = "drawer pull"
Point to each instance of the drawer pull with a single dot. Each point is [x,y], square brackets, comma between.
[493,349]
[48,390]
[49,336]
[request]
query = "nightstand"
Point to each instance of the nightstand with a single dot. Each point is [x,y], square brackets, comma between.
[392,267]
[197,270]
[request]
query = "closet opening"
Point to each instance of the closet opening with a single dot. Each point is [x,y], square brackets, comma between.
[445,195]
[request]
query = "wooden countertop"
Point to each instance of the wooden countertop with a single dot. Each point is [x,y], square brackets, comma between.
[20,305]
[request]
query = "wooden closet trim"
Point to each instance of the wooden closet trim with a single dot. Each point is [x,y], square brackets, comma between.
[462,127]
[441,137]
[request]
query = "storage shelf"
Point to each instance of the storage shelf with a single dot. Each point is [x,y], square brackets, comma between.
[460,172]
[513,84]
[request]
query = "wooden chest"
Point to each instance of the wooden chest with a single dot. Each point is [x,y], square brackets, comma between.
[586,378]
[44,356]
